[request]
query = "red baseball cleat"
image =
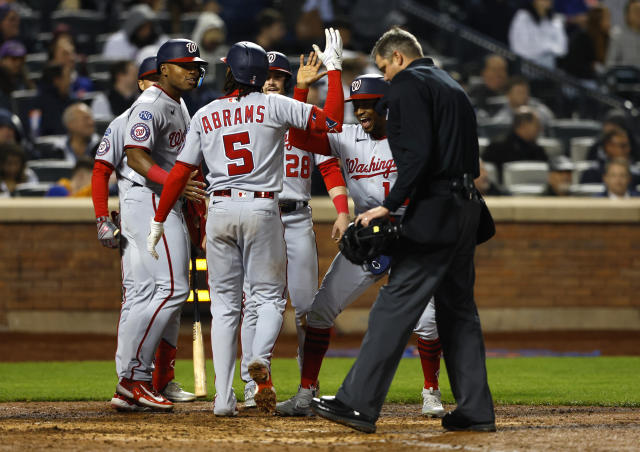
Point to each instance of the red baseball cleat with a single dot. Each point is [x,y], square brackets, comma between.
[125,404]
[143,394]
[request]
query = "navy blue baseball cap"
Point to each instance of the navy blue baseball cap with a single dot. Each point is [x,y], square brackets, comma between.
[279,62]
[368,86]
[148,67]
[248,63]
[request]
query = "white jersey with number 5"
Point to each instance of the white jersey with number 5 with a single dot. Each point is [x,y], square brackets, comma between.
[242,140]
[367,165]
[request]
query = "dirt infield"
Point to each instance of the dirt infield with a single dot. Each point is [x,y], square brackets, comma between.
[94,426]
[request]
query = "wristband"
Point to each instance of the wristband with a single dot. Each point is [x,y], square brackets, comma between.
[342,204]
[157,175]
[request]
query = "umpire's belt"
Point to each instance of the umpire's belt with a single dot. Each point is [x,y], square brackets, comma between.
[289,205]
[463,185]
[256,194]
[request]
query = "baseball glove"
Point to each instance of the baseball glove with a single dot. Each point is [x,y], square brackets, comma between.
[361,244]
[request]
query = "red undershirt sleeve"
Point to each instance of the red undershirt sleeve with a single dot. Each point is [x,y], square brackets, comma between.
[100,187]
[172,189]
[331,173]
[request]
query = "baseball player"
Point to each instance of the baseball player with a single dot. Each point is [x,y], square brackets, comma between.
[110,156]
[154,134]
[302,254]
[241,138]
[370,173]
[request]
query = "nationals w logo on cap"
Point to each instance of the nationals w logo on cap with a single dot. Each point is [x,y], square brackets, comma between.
[356,84]
[192,47]
[271,57]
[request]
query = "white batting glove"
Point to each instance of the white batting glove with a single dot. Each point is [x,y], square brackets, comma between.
[332,55]
[155,233]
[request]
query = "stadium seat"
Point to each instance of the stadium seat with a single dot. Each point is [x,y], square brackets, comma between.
[51,170]
[492,171]
[81,21]
[587,189]
[101,39]
[526,189]
[581,167]
[552,146]
[101,81]
[49,147]
[579,148]
[98,63]
[565,129]
[494,104]
[35,62]
[524,172]
[32,189]
[101,125]
[23,102]
[493,130]
[29,22]
[483,143]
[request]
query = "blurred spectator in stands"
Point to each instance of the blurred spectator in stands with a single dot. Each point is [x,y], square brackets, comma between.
[518,95]
[617,180]
[342,24]
[9,22]
[560,175]
[62,50]
[81,138]
[493,18]
[624,48]
[13,169]
[309,30]
[537,34]
[210,34]
[12,73]
[270,30]
[240,17]
[574,13]
[617,10]
[485,185]
[615,144]
[520,143]
[10,128]
[614,120]
[138,31]
[121,94]
[54,95]
[495,76]
[588,47]
[80,183]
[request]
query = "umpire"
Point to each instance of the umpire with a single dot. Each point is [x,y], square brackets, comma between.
[432,134]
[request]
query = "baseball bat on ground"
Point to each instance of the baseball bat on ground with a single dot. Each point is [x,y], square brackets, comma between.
[199,370]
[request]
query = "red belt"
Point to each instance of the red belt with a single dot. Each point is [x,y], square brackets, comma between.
[256,194]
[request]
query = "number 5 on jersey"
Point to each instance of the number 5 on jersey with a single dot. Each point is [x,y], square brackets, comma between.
[233,151]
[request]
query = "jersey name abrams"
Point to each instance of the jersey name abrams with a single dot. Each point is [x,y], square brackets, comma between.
[376,167]
[231,117]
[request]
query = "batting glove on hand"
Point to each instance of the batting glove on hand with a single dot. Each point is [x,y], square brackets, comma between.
[157,229]
[332,55]
[108,232]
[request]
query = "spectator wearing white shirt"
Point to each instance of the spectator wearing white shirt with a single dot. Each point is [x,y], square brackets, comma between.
[138,32]
[624,46]
[537,34]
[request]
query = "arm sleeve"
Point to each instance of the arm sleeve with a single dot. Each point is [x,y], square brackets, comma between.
[334,105]
[410,113]
[522,37]
[173,188]
[304,139]
[100,187]
[331,173]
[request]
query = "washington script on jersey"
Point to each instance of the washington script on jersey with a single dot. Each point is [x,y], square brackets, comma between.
[240,115]
[376,167]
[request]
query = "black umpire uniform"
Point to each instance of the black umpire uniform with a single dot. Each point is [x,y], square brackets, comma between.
[432,134]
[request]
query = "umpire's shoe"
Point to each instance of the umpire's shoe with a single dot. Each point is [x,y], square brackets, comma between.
[174,392]
[457,422]
[331,408]
[298,405]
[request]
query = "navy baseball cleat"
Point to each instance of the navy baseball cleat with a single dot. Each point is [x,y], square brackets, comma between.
[457,422]
[334,410]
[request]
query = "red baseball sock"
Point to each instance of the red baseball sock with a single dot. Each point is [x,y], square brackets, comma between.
[316,344]
[164,363]
[430,360]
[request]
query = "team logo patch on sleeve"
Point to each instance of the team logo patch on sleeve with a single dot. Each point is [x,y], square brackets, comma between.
[140,132]
[104,147]
[107,132]
[145,115]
